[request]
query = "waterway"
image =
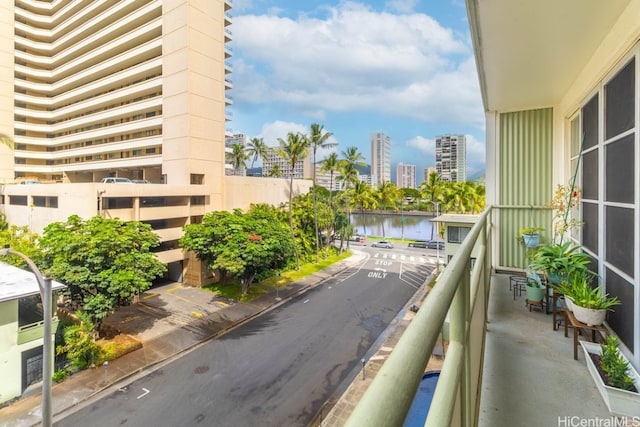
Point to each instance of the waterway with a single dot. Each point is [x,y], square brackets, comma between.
[410,227]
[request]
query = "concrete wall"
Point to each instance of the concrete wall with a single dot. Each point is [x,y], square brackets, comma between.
[241,191]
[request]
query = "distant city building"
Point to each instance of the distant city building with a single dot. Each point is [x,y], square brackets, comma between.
[323,179]
[301,170]
[428,171]
[451,157]
[229,141]
[380,158]
[406,176]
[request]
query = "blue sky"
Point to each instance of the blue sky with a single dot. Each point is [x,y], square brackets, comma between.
[401,67]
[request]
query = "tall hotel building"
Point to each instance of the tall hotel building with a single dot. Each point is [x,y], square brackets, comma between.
[380,158]
[301,170]
[451,158]
[405,176]
[135,89]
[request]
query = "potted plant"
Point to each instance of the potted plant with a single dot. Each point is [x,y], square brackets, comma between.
[617,381]
[531,236]
[589,303]
[559,261]
[534,288]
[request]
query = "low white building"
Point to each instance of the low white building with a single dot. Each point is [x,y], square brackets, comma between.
[21,330]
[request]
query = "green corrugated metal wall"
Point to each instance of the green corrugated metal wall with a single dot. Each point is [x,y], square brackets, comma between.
[525,181]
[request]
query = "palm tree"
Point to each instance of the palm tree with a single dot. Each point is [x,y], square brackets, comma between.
[330,164]
[349,172]
[238,158]
[5,140]
[361,195]
[275,171]
[294,149]
[256,148]
[318,139]
[388,195]
[431,188]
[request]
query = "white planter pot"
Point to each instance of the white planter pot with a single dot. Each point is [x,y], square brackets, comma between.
[620,402]
[589,316]
[569,302]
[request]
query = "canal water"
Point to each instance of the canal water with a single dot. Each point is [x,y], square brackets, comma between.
[396,226]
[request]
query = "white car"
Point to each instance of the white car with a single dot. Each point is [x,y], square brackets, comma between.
[115,180]
[382,244]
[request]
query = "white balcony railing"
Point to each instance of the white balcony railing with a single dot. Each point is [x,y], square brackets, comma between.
[464,296]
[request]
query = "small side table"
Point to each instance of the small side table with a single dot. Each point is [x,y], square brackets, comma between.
[578,327]
[517,284]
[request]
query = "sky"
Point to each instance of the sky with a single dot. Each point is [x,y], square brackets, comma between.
[401,67]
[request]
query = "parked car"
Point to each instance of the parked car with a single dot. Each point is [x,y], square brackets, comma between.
[435,244]
[115,180]
[357,238]
[418,244]
[382,244]
[141,181]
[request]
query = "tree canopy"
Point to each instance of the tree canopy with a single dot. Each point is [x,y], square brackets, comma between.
[103,262]
[243,245]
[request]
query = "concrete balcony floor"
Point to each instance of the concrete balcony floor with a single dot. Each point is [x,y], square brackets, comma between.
[529,376]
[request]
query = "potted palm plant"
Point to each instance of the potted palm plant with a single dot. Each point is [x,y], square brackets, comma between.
[589,303]
[559,261]
[617,381]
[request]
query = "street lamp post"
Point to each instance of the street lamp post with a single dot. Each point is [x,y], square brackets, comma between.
[44,283]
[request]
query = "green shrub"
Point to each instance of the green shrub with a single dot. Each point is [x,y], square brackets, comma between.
[79,343]
[60,375]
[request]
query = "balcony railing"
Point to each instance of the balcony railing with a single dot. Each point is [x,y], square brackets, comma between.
[464,296]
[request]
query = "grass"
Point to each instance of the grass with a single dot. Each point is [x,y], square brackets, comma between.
[232,290]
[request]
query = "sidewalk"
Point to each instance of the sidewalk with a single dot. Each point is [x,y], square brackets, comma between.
[168,320]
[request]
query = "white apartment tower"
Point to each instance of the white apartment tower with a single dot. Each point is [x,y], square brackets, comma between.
[229,142]
[451,158]
[405,176]
[301,170]
[90,89]
[380,158]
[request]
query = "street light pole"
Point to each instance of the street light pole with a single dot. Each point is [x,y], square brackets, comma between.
[44,283]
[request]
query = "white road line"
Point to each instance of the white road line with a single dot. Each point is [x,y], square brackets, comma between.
[305,301]
[143,394]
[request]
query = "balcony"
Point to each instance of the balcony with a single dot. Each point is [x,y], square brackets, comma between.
[504,365]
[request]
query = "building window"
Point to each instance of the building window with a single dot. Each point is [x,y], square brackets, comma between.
[18,200]
[197,178]
[457,234]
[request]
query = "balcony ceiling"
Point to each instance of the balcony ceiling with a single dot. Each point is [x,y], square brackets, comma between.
[529,52]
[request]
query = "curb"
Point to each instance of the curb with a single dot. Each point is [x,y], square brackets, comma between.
[158,363]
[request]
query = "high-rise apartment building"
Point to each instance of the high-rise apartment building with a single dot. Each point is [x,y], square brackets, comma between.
[428,171]
[451,157]
[380,157]
[229,141]
[115,88]
[135,89]
[405,176]
[301,170]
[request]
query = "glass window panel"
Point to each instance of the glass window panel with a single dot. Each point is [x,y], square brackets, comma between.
[619,159]
[590,175]
[590,123]
[622,317]
[590,226]
[619,96]
[575,137]
[619,236]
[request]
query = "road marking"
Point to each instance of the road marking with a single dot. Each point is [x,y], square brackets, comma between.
[305,301]
[143,394]
[403,257]
[381,269]
[393,256]
[422,259]
[377,274]
[377,358]
[197,314]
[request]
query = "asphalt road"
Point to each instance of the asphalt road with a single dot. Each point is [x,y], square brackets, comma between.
[279,369]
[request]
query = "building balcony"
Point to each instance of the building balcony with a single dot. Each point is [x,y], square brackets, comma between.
[503,366]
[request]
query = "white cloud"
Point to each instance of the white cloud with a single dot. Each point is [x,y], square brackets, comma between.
[357,59]
[272,131]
